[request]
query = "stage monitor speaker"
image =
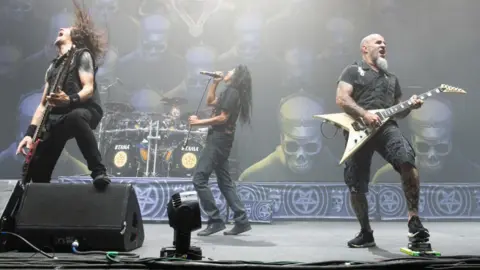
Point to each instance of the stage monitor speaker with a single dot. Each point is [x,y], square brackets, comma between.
[54,215]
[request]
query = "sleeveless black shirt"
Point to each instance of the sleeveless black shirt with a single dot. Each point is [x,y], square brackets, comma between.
[73,84]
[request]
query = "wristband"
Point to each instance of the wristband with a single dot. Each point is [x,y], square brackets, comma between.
[74,99]
[31,130]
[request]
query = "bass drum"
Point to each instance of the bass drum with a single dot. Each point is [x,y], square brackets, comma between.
[124,159]
[184,160]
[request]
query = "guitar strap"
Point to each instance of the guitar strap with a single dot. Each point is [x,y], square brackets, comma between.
[391,83]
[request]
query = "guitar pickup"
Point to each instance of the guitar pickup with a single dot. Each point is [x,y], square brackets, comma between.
[357,126]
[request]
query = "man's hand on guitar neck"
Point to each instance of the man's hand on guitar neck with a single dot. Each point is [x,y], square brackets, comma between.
[59,99]
[416,102]
[26,142]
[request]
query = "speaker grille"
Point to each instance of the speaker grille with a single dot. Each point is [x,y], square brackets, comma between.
[46,206]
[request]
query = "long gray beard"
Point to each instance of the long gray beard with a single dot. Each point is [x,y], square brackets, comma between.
[382,64]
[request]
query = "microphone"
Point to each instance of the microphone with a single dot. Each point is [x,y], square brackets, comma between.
[211,74]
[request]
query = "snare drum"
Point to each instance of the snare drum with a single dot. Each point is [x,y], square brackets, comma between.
[184,160]
[124,159]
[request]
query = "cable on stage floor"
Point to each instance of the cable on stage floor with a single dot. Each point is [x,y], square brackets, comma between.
[128,260]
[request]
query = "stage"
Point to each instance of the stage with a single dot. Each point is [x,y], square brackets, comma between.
[311,241]
[298,241]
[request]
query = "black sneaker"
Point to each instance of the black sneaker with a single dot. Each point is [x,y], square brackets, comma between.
[363,240]
[101,181]
[416,231]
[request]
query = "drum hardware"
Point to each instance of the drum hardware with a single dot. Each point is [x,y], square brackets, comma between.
[113,106]
[175,101]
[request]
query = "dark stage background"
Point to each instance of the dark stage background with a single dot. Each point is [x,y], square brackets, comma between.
[295,49]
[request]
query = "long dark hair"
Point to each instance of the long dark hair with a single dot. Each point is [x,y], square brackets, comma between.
[242,81]
[84,34]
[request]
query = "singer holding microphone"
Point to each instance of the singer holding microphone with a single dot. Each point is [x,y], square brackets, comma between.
[233,103]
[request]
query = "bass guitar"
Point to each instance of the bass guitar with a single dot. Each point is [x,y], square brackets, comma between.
[41,132]
[359,133]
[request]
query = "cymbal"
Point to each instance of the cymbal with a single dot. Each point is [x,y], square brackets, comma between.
[118,107]
[175,100]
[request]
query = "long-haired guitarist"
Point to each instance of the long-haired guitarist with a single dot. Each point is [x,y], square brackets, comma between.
[76,109]
[368,85]
[233,103]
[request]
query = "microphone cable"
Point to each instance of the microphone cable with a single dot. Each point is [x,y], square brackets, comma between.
[196,113]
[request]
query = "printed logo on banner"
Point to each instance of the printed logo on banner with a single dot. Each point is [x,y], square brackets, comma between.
[450,201]
[391,201]
[306,201]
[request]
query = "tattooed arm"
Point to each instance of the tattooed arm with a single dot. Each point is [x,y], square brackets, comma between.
[87,75]
[344,92]
[345,101]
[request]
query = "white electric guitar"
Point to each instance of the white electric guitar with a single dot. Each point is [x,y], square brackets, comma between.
[359,133]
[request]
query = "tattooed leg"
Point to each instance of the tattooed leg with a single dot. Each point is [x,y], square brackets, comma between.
[360,206]
[411,187]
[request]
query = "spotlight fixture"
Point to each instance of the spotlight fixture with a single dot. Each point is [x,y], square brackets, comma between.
[184,217]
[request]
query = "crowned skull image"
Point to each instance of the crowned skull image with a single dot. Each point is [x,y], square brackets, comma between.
[301,155]
[153,60]
[437,158]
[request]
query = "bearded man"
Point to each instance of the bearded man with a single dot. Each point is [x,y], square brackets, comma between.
[368,85]
[76,107]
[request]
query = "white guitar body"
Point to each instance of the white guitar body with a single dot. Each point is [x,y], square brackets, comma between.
[358,132]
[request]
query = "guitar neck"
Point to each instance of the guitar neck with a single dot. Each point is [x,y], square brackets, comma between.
[406,105]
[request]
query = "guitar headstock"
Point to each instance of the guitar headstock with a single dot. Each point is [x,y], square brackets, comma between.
[445,88]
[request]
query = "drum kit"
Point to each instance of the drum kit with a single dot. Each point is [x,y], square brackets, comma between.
[142,144]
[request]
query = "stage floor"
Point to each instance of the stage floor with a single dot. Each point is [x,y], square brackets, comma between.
[307,241]
[318,241]
[311,241]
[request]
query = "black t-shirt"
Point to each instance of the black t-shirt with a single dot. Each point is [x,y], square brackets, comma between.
[371,90]
[228,101]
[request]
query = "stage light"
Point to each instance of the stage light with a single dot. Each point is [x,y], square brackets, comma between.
[184,217]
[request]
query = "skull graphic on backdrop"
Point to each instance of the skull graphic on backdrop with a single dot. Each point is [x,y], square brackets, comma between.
[248,39]
[152,60]
[10,58]
[197,58]
[340,34]
[431,128]
[107,75]
[17,10]
[112,16]
[300,134]
[153,37]
[104,10]
[301,155]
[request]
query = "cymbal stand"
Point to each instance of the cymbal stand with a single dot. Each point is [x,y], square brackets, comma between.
[149,148]
[156,149]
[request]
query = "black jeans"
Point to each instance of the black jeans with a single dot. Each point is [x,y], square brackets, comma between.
[215,157]
[78,124]
[390,143]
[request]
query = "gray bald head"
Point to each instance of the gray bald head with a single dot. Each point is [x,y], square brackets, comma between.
[368,38]
[373,48]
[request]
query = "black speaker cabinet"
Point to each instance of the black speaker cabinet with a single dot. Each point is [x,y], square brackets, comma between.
[54,215]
